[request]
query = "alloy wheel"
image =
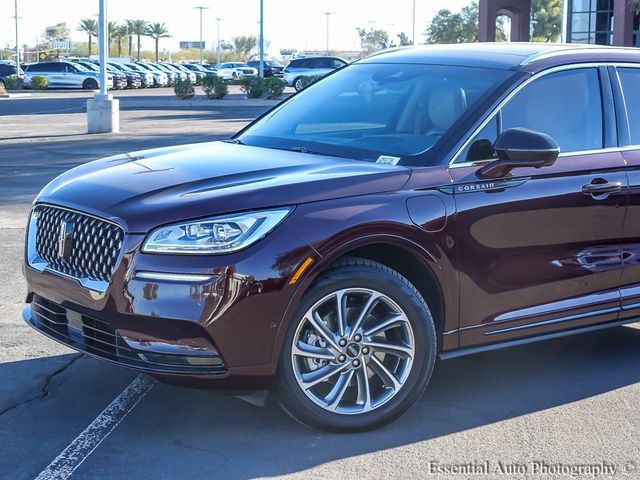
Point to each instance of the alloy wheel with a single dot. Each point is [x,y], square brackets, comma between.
[353,351]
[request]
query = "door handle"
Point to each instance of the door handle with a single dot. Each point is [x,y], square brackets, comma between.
[600,186]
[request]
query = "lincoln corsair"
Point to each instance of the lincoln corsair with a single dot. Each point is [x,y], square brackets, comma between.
[420,204]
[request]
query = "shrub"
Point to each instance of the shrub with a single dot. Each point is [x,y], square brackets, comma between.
[214,87]
[309,79]
[39,82]
[184,89]
[13,82]
[273,87]
[253,87]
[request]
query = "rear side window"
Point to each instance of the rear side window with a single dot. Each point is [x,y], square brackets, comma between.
[6,69]
[630,78]
[566,105]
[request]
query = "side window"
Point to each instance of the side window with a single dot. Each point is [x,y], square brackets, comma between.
[566,105]
[35,68]
[629,77]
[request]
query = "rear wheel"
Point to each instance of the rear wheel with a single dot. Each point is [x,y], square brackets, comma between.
[297,84]
[90,84]
[359,351]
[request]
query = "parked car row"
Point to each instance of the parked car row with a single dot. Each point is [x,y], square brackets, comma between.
[85,73]
[66,75]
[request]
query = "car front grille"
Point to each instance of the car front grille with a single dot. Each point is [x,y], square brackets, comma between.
[95,244]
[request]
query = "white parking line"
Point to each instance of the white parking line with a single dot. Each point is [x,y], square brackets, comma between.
[92,436]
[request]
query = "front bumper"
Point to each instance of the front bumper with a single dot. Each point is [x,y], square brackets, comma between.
[99,339]
[223,323]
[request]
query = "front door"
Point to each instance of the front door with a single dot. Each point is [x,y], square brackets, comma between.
[540,248]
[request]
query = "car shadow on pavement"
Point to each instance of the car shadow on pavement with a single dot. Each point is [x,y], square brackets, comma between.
[194,433]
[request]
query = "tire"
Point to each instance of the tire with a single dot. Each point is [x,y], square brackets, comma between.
[359,281]
[90,84]
[297,84]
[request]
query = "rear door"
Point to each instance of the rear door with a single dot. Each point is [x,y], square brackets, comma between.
[540,248]
[626,82]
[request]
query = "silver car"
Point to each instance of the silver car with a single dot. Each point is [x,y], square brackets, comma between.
[310,67]
[67,75]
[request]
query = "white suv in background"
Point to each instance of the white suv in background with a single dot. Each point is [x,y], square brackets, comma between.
[310,67]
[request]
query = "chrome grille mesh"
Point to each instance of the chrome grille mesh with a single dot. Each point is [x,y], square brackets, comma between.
[96,243]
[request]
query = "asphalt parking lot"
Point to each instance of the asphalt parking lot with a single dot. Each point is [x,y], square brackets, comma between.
[567,402]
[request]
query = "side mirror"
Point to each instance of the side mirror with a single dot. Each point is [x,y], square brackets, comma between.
[521,147]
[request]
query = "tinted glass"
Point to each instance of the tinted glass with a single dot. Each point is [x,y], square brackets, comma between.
[630,78]
[7,69]
[566,105]
[367,110]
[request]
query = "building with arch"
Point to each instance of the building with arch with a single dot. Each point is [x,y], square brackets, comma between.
[602,22]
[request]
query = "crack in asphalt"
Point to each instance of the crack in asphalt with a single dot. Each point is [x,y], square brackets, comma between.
[44,390]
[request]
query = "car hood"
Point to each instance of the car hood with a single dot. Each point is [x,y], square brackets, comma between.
[144,189]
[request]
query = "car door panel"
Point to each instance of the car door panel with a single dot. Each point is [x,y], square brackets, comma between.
[540,255]
[628,108]
[540,248]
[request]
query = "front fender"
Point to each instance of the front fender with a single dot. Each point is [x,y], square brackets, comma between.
[335,228]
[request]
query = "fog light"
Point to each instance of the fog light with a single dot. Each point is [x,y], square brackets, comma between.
[183,360]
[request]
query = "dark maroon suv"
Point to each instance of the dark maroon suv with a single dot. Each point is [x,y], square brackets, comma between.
[418,204]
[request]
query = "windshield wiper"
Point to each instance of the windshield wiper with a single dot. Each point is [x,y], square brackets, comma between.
[235,141]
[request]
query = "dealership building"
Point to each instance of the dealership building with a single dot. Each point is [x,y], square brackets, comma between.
[602,22]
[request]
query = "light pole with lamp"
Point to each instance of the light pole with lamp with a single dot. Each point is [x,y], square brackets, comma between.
[328,14]
[218,19]
[201,9]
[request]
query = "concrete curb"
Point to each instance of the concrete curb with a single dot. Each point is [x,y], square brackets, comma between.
[204,103]
[15,95]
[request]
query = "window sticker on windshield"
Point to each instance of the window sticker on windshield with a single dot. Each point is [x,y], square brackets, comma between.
[388,160]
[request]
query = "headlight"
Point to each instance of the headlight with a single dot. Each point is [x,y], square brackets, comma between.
[214,236]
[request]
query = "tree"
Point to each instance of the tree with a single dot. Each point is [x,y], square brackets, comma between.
[90,27]
[403,40]
[546,20]
[157,31]
[112,32]
[244,45]
[373,40]
[139,29]
[120,34]
[128,26]
[461,27]
[58,32]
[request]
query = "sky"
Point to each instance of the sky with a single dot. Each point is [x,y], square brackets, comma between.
[298,24]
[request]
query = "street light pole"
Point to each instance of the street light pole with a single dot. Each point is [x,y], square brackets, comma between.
[413,35]
[218,45]
[328,14]
[201,9]
[17,42]
[103,111]
[261,47]
[102,41]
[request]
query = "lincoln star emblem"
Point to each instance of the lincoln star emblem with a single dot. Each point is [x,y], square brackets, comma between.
[65,239]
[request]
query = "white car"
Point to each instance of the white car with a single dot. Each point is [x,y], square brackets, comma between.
[231,70]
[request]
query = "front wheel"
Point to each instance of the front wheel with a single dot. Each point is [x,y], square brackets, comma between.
[90,84]
[359,351]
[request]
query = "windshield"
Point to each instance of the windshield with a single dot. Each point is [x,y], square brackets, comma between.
[80,67]
[368,110]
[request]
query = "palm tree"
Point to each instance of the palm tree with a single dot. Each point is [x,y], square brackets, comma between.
[90,27]
[157,31]
[128,25]
[112,32]
[120,34]
[139,29]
